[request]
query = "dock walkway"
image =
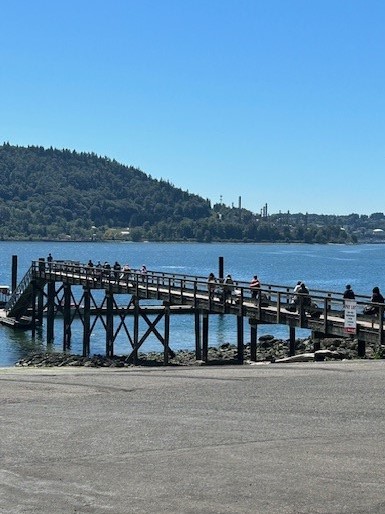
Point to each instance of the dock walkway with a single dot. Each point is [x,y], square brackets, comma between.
[47,290]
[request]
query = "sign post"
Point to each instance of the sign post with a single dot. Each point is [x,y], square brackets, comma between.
[350,308]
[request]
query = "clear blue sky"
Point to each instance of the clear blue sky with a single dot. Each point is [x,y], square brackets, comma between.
[277,101]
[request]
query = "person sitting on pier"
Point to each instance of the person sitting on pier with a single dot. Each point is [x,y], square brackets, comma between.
[296,289]
[255,286]
[303,297]
[126,270]
[211,284]
[292,306]
[376,298]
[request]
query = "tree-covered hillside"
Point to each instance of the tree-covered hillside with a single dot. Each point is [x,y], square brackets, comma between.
[63,194]
[48,193]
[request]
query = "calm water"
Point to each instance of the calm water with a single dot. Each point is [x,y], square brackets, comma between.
[321,267]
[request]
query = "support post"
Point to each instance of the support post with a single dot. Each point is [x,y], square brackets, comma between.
[67,318]
[50,311]
[316,337]
[198,339]
[380,326]
[110,323]
[86,321]
[240,339]
[40,306]
[291,341]
[205,336]
[302,313]
[221,268]
[33,314]
[14,273]
[253,340]
[166,334]
[361,348]
[136,331]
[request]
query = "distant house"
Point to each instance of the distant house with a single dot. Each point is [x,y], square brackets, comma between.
[378,232]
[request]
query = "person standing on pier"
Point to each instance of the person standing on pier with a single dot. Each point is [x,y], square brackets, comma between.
[117,268]
[228,288]
[143,272]
[349,293]
[211,284]
[255,286]
[49,260]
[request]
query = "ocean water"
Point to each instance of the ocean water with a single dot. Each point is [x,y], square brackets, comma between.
[322,267]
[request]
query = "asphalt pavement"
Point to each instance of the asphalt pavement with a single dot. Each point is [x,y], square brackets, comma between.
[273,438]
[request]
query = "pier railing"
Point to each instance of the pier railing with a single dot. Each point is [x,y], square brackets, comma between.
[22,288]
[189,288]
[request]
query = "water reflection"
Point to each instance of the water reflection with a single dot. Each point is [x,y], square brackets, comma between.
[16,344]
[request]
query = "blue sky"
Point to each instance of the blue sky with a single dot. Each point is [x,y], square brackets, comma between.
[279,102]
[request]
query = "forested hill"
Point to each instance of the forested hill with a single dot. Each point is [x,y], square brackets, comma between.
[63,194]
[48,193]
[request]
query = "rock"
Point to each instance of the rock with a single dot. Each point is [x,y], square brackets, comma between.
[321,355]
[266,337]
[302,357]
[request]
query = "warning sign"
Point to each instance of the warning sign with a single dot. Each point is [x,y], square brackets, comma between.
[350,308]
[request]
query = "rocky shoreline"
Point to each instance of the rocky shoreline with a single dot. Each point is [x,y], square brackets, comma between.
[269,350]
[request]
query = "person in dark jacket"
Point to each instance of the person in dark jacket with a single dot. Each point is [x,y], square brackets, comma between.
[376,298]
[349,293]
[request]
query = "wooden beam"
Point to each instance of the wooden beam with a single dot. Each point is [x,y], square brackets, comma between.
[50,311]
[291,341]
[205,335]
[253,341]
[198,339]
[86,322]
[110,323]
[166,335]
[67,318]
[240,339]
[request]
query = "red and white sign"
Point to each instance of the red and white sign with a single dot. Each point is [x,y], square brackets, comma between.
[350,309]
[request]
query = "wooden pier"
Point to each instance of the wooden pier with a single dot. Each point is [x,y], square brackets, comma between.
[47,293]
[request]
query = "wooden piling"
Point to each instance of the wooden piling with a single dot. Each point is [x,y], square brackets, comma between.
[110,323]
[198,339]
[50,311]
[14,273]
[361,348]
[221,268]
[205,335]
[136,331]
[33,304]
[86,321]
[253,340]
[67,318]
[291,341]
[40,305]
[166,345]
[240,339]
